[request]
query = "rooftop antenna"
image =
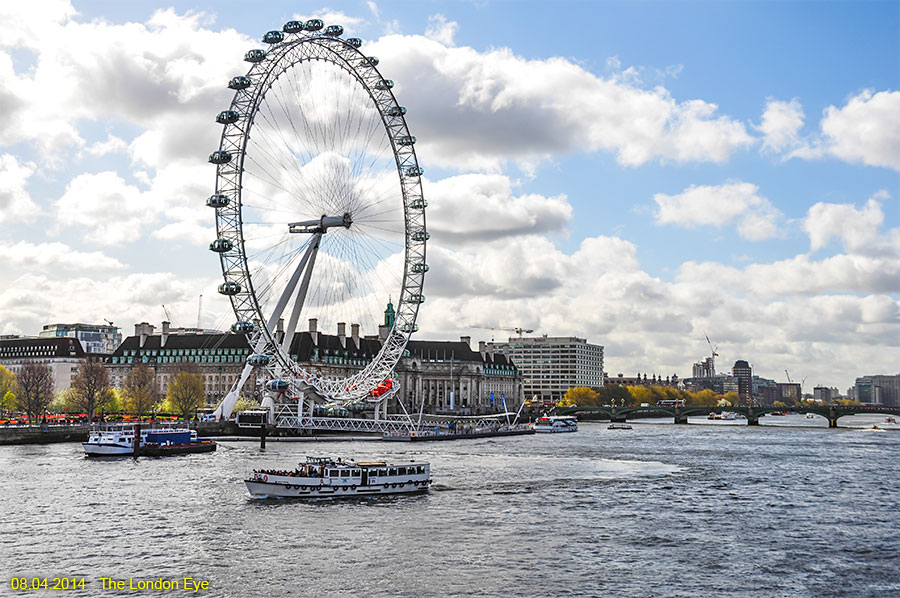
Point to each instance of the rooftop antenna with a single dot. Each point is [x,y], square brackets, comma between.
[199,309]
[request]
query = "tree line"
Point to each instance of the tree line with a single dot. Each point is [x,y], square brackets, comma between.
[91,392]
[618,395]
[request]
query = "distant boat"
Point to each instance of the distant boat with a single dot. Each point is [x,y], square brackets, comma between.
[556,423]
[119,441]
[619,427]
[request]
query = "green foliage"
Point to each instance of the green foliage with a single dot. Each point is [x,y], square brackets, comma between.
[185,395]
[243,404]
[580,395]
[8,389]
[140,390]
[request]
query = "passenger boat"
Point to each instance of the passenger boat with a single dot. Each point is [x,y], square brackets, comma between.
[619,427]
[152,442]
[324,477]
[556,423]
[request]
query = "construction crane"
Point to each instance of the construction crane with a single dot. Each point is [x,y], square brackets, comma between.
[199,309]
[516,329]
[713,351]
[788,377]
[168,315]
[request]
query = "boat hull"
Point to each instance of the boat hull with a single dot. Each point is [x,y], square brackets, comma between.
[148,450]
[278,490]
[106,450]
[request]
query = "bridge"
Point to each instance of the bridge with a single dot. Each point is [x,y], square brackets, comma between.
[620,414]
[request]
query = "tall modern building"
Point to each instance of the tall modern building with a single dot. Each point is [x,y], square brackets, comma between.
[552,365]
[877,390]
[94,338]
[744,374]
[61,355]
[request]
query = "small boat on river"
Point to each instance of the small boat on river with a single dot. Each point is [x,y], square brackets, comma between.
[121,441]
[324,477]
[619,427]
[556,423]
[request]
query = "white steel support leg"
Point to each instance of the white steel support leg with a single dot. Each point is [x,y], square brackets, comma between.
[310,257]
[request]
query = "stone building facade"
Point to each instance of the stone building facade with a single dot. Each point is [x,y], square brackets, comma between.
[62,355]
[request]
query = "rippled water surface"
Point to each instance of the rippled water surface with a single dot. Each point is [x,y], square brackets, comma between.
[660,510]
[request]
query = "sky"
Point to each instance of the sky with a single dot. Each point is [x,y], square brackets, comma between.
[640,174]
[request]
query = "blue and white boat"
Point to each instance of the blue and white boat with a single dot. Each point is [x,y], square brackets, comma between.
[120,441]
[556,423]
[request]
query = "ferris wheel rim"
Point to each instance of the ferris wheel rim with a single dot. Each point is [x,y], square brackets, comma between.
[263,73]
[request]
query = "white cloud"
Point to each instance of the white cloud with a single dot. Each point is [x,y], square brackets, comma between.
[856,228]
[866,130]
[113,211]
[706,205]
[41,255]
[480,110]
[471,207]
[781,124]
[441,30]
[15,201]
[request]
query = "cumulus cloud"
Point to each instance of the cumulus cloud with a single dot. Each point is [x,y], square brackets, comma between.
[40,255]
[471,207]
[110,209]
[856,228]
[441,30]
[705,205]
[15,201]
[480,110]
[781,124]
[866,129]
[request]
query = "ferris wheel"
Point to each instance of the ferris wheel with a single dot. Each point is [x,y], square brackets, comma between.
[319,209]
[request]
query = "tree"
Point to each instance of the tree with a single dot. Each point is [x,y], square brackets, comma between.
[36,389]
[185,394]
[7,390]
[580,395]
[90,387]
[140,390]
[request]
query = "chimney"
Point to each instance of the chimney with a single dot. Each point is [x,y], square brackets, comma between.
[342,333]
[143,330]
[165,334]
[383,331]
[354,334]
[467,340]
[279,331]
[314,330]
[482,347]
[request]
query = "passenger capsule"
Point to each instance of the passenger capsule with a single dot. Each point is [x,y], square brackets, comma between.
[277,385]
[226,117]
[413,171]
[293,27]
[354,41]
[217,201]
[396,111]
[406,140]
[420,235]
[221,245]
[258,360]
[243,327]
[409,328]
[417,298]
[255,56]
[420,267]
[334,31]
[229,288]
[220,157]
[241,82]
[370,61]
[313,24]
[418,204]
[273,37]
[384,84]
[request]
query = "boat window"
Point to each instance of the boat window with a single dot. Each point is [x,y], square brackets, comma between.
[355,473]
[392,471]
[334,473]
[382,472]
[401,471]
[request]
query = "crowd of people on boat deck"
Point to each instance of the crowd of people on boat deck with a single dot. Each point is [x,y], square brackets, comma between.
[306,471]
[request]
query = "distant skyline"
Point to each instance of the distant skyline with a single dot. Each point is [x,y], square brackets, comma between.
[637,173]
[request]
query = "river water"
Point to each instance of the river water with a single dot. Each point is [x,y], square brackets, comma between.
[660,510]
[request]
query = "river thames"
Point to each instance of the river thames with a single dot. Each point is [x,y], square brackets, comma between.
[661,510]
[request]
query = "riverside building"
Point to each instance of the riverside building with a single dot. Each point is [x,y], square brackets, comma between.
[61,355]
[552,365]
[94,338]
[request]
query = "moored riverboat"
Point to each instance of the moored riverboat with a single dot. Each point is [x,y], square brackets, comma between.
[121,441]
[556,423]
[324,477]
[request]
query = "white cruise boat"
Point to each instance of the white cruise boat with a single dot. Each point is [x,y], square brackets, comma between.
[323,477]
[556,423]
[119,441]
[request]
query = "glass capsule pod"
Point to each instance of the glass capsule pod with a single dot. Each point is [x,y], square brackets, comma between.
[384,84]
[406,140]
[313,24]
[413,298]
[258,360]
[217,201]
[293,27]
[334,30]
[396,111]
[409,327]
[413,171]
[240,82]
[421,235]
[255,55]
[418,204]
[277,385]
[420,267]
[243,327]
[220,157]
[273,37]
[221,245]
[226,117]
[229,288]
[370,61]
[354,41]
